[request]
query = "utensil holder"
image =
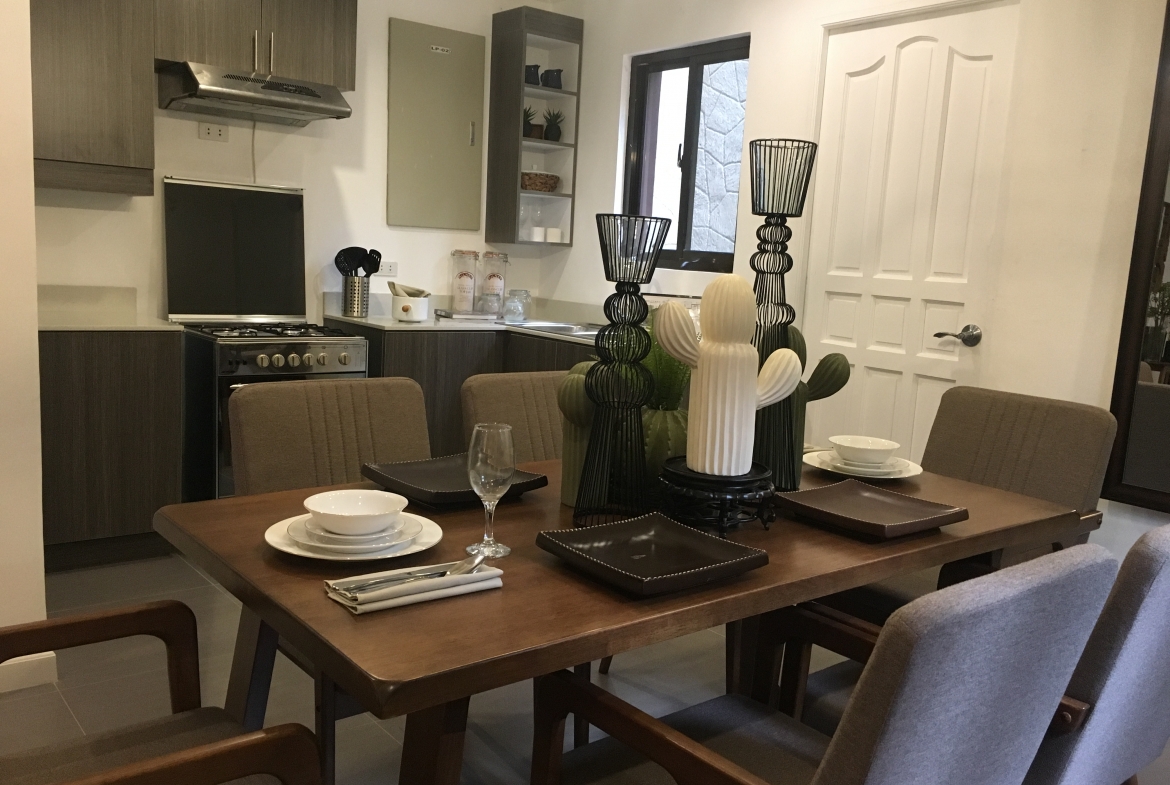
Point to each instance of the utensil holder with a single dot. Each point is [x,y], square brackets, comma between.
[357,297]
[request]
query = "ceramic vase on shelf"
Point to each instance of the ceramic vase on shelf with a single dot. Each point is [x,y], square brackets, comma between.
[728,385]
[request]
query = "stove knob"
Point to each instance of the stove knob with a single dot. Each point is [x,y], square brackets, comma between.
[322,359]
[278,360]
[308,360]
[294,360]
[343,358]
[262,361]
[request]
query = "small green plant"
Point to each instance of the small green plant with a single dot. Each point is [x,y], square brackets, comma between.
[664,424]
[529,115]
[552,118]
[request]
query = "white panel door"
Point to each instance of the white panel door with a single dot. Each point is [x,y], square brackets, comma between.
[904,214]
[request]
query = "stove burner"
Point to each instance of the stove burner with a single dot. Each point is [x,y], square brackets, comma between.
[235,332]
[270,331]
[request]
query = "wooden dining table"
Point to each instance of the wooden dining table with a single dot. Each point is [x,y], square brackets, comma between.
[425,661]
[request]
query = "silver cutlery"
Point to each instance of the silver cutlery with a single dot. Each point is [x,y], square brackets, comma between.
[468,565]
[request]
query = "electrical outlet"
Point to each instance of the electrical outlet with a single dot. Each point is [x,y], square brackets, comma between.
[388,269]
[212,132]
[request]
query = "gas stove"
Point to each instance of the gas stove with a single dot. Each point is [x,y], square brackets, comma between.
[278,350]
[270,331]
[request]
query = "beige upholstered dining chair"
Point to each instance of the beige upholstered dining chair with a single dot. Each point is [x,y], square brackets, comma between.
[526,401]
[304,434]
[922,713]
[1049,449]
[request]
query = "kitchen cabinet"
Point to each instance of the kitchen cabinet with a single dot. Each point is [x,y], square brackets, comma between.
[311,40]
[530,353]
[111,431]
[93,94]
[216,32]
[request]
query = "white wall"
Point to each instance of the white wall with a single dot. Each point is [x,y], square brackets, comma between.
[1083,90]
[22,581]
[108,240]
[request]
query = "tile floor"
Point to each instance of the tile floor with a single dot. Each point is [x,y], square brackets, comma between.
[117,683]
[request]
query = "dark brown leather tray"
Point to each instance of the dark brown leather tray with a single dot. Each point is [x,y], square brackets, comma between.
[441,482]
[867,510]
[650,555]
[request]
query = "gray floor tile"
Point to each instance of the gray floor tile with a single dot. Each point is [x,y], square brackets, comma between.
[121,583]
[366,754]
[35,718]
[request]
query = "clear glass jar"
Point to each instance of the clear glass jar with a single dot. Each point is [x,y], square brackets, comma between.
[518,306]
[493,271]
[463,277]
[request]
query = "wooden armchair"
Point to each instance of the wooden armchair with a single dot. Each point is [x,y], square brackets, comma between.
[921,712]
[192,746]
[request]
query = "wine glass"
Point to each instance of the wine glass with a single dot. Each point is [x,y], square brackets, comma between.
[491,463]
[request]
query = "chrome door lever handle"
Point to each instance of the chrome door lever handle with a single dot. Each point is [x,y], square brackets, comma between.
[970,335]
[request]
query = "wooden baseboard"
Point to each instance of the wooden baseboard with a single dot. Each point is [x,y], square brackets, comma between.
[21,672]
[106,550]
[76,176]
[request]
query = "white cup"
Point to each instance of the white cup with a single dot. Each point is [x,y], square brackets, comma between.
[553,234]
[538,234]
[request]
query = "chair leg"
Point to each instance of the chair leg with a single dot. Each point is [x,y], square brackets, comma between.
[794,677]
[326,712]
[1131,781]
[580,724]
[603,668]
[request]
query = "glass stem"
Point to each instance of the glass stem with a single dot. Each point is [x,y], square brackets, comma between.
[489,521]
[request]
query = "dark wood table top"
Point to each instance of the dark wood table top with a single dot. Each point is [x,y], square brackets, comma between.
[548,617]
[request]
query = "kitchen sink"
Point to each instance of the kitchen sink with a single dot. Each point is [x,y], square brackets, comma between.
[573,330]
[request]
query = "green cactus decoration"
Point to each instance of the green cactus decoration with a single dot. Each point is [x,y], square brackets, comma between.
[830,375]
[664,425]
[576,422]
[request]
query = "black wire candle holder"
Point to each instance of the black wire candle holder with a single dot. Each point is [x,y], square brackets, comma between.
[780,170]
[614,481]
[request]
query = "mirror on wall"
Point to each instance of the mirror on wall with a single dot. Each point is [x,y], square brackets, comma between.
[1139,468]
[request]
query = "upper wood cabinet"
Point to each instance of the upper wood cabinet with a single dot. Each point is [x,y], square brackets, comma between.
[312,40]
[93,94]
[218,32]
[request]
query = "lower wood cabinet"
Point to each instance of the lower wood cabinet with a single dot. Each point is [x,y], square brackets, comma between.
[111,431]
[530,353]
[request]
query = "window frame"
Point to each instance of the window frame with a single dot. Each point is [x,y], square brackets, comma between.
[641,67]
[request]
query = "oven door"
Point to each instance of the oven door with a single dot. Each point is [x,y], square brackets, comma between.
[225,386]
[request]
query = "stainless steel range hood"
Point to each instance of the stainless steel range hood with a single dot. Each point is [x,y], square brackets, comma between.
[208,89]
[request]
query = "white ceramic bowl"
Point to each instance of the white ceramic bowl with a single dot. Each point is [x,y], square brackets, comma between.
[357,511]
[863,449]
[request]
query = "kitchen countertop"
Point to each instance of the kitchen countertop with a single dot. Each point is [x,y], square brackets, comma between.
[97,308]
[52,322]
[454,325]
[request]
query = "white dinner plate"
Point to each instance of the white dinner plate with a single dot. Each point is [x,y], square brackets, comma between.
[891,467]
[300,533]
[823,460]
[277,537]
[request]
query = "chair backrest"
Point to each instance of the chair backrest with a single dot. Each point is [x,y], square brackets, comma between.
[305,434]
[1146,373]
[526,401]
[1049,449]
[963,682]
[1125,675]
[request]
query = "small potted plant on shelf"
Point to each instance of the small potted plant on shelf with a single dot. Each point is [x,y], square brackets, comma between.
[531,130]
[552,125]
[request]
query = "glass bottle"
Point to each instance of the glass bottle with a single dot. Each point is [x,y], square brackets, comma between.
[525,221]
[463,269]
[513,308]
[493,267]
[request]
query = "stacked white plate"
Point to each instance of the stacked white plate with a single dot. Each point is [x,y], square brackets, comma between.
[354,525]
[863,456]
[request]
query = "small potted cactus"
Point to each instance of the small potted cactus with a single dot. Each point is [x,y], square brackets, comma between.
[552,125]
[530,130]
[830,375]
[664,424]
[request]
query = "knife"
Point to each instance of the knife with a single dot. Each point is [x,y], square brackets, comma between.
[353,591]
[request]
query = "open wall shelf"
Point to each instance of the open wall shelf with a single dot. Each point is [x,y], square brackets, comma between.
[524,36]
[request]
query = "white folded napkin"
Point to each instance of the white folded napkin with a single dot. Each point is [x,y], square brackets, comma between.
[397,595]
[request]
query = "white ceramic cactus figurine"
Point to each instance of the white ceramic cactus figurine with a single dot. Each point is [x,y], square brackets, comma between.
[725,387]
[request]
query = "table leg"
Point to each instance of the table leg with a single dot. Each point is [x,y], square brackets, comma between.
[251,676]
[580,724]
[432,750]
[326,714]
[753,656]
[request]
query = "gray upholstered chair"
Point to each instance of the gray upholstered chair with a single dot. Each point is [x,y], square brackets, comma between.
[526,401]
[960,689]
[1124,676]
[305,434]
[1049,449]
